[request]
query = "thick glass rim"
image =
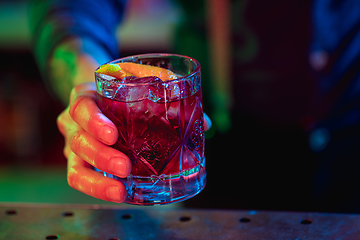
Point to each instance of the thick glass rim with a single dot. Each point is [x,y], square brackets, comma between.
[151,55]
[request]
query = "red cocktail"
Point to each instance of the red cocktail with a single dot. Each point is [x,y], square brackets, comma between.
[161,128]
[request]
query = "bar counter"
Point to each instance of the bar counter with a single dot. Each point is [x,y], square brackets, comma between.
[111,222]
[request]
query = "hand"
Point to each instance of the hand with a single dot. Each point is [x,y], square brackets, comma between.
[88,136]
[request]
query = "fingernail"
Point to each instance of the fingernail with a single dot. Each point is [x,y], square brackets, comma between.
[107,135]
[113,193]
[208,120]
[119,166]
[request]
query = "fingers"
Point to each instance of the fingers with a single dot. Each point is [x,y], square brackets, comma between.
[87,131]
[85,112]
[98,154]
[84,179]
[207,122]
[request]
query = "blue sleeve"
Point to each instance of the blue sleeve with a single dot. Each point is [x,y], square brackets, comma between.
[337,32]
[52,21]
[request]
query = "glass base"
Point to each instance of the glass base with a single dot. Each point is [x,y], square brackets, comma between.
[163,189]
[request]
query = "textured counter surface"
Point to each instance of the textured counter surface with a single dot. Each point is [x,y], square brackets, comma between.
[41,221]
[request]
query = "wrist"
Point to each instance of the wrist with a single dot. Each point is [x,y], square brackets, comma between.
[70,65]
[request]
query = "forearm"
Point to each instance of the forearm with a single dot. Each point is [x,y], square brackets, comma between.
[70,37]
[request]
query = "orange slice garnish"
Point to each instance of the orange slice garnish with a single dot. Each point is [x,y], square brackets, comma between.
[113,70]
[126,69]
[141,70]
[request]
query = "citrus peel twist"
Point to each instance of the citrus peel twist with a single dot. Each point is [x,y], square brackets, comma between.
[126,69]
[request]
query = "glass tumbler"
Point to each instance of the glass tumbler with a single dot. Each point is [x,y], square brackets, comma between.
[161,129]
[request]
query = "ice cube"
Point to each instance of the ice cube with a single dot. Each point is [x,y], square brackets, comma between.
[121,92]
[135,89]
[168,91]
[150,79]
[157,92]
[106,77]
[128,79]
[134,79]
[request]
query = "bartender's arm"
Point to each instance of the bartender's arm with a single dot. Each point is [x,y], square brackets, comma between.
[70,41]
